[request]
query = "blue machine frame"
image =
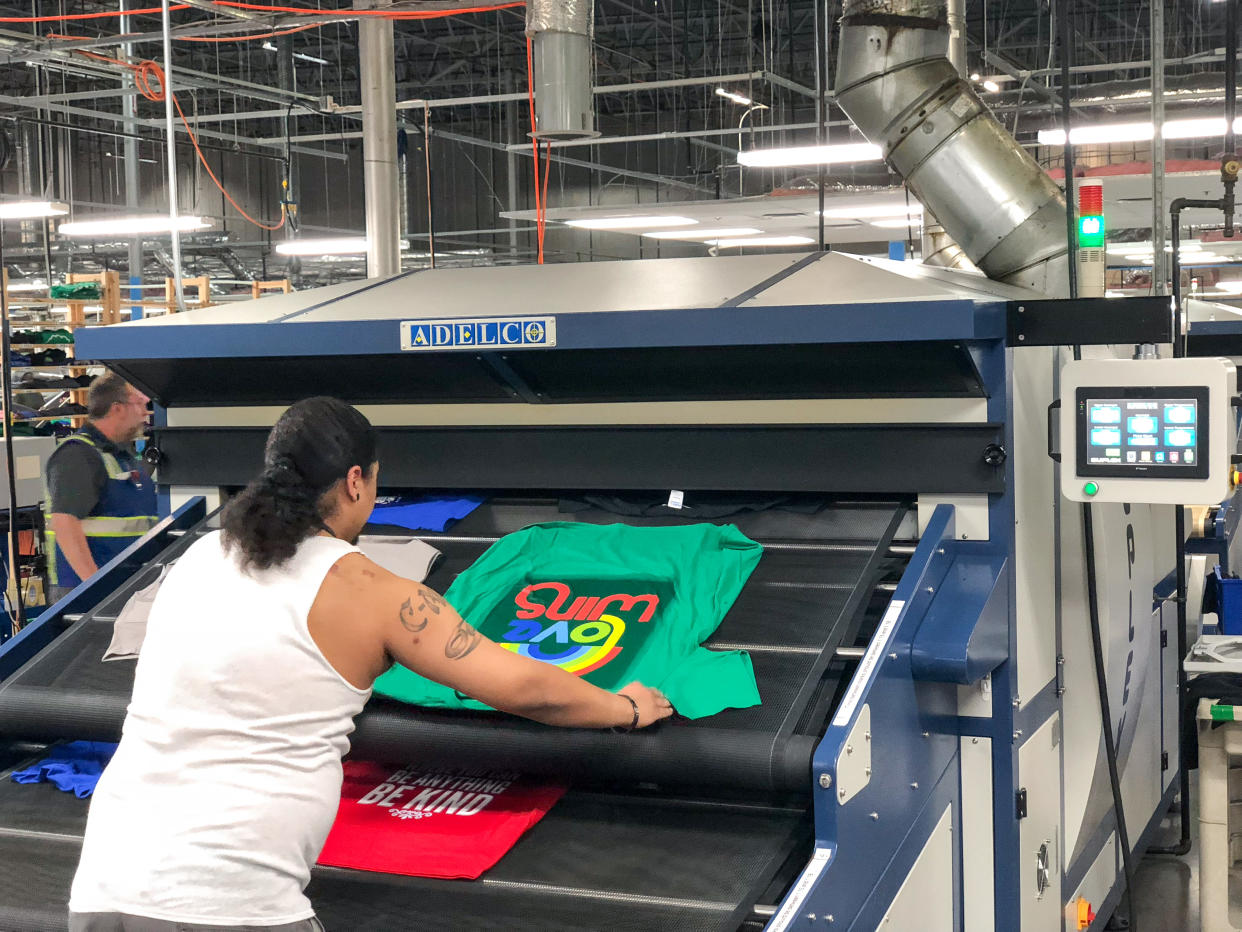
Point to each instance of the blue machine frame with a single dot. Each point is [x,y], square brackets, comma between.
[951,621]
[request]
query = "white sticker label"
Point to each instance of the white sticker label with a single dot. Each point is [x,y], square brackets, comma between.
[490,333]
[960,106]
[879,644]
[676,499]
[802,889]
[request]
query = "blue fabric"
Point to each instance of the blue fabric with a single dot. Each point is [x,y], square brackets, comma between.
[72,768]
[425,513]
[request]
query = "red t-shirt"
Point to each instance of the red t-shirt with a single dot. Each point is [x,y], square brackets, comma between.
[447,823]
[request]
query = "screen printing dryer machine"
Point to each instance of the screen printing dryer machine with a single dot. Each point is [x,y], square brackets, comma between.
[928,753]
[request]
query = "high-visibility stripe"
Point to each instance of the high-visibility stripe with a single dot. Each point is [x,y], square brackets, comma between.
[134,526]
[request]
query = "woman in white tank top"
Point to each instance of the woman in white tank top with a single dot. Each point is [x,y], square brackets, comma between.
[261,648]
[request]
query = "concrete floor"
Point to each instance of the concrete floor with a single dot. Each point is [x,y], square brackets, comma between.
[1167,888]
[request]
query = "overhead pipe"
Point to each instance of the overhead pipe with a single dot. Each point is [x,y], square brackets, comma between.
[561,32]
[376,65]
[896,83]
[938,248]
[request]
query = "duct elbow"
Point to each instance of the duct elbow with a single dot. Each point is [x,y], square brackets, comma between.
[896,83]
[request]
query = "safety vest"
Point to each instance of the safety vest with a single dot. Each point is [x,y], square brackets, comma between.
[126,510]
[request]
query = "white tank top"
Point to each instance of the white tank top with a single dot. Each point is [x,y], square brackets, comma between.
[228,775]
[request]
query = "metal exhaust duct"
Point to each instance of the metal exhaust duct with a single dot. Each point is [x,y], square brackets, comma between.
[896,83]
[561,33]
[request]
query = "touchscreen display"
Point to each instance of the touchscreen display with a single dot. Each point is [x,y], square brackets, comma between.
[1132,430]
[1143,432]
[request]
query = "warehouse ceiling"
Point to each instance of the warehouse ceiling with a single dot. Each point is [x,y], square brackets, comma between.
[259,93]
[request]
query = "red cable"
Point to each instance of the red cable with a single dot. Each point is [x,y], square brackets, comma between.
[247,38]
[104,15]
[144,71]
[389,14]
[534,142]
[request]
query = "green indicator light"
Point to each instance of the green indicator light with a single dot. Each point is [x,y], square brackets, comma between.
[1091,488]
[1091,231]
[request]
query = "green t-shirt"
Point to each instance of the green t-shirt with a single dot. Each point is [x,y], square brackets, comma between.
[612,604]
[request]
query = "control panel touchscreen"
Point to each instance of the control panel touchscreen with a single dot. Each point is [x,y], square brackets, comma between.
[1142,431]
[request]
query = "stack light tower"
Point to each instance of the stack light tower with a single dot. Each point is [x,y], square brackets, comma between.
[1091,233]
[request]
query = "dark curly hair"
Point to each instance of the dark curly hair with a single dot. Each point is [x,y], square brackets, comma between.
[312,447]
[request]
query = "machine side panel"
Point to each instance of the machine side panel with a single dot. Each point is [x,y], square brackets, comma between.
[925,900]
[978,842]
[1039,850]
[1034,496]
[1171,740]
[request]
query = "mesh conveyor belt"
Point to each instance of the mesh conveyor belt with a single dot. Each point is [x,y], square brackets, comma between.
[655,864]
[616,861]
[791,610]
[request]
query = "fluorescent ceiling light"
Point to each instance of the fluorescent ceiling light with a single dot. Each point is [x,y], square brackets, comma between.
[761,241]
[630,223]
[695,235]
[31,210]
[877,210]
[810,155]
[310,58]
[975,76]
[1230,287]
[1138,132]
[331,246]
[740,99]
[327,246]
[991,86]
[897,223]
[37,284]
[269,46]
[1199,258]
[122,226]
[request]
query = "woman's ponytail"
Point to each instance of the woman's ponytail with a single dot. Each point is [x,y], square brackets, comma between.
[312,447]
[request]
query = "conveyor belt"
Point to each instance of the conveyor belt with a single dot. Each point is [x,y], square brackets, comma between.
[806,598]
[721,812]
[652,863]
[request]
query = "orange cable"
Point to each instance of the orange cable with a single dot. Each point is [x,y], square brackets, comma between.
[102,15]
[247,38]
[534,142]
[144,71]
[388,14]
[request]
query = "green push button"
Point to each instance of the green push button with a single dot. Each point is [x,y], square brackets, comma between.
[1091,488]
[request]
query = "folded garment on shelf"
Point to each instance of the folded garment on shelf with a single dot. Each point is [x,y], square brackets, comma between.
[72,768]
[48,357]
[79,291]
[62,410]
[57,336]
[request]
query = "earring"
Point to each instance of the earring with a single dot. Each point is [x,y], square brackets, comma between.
[357,496]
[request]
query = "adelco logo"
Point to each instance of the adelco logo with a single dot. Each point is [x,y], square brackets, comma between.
[579,626]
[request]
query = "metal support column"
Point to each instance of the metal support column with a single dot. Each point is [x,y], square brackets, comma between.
[379,141]
[129,154]
[1160,264]
[170,131]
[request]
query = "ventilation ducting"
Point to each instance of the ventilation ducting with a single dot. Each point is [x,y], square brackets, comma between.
[895,81]
[561,32]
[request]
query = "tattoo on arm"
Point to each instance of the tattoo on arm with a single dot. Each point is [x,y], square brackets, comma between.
[463,640]
[409,619]
[431,601]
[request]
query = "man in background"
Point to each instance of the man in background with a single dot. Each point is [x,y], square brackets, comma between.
[99,498]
